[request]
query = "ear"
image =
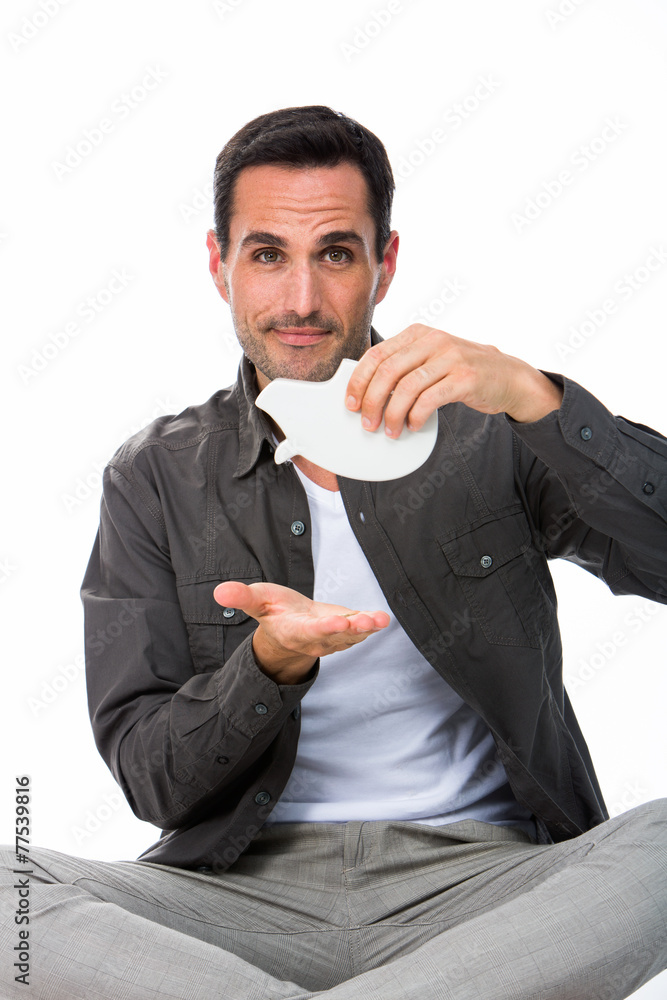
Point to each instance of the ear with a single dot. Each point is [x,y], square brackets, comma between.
[215,265]
[388,266]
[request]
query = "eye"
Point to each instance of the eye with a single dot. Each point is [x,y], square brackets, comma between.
[268,256]
[337,256]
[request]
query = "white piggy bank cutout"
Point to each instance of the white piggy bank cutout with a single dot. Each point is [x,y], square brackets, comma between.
[318,426]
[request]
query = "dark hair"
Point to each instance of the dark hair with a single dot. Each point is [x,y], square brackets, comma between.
[312,136]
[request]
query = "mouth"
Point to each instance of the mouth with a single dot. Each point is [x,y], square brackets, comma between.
[300,337]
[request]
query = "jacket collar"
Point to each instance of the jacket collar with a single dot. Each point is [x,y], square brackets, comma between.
[254,426]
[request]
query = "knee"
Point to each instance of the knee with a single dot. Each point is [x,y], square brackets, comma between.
[648,820]
[7,858]
[654,811]
[37,861]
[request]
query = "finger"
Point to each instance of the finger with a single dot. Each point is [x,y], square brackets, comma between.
[407,372]
[251,599]
[447,390]
[357,623]
[374,356]
[328,626]
[414,412]
[369,621]
[417,395]
[343,640]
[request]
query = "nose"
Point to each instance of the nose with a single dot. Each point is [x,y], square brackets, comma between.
[302,293]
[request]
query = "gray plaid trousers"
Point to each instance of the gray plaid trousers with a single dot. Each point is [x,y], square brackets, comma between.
[384,909]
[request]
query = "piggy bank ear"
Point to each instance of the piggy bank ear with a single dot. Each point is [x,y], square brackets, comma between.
[286,450]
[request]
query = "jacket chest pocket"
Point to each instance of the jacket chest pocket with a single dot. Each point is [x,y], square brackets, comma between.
[495,566]
[214,632]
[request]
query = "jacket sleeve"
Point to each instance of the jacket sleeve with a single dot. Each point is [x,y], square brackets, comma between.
[171,737]
[596,486]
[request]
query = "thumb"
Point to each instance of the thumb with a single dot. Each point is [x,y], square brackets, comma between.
[233,594]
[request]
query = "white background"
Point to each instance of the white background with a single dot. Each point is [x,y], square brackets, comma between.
[138,202]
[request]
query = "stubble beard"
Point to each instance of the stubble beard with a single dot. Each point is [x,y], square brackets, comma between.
[299,364]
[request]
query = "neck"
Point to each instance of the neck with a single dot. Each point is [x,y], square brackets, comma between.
[321,477]
[327,480]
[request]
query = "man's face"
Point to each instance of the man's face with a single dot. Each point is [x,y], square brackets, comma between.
[300,276]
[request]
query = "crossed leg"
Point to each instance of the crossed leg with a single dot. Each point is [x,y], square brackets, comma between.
[582,920]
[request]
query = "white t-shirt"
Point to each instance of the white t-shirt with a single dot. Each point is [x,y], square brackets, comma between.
[383,736]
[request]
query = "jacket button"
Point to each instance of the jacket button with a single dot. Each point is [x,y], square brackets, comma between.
[260,708]
[648,488]
[262,798]
[222,760]
[297,527]
[296,712]
[486,561]
[228,612]
[586,433]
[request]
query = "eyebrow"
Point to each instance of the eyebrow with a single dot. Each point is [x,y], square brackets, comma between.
[258,236]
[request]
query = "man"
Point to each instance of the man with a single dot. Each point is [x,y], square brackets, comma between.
[381,791]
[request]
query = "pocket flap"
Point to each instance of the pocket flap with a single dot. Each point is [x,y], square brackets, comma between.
[200,608]
[482,549]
